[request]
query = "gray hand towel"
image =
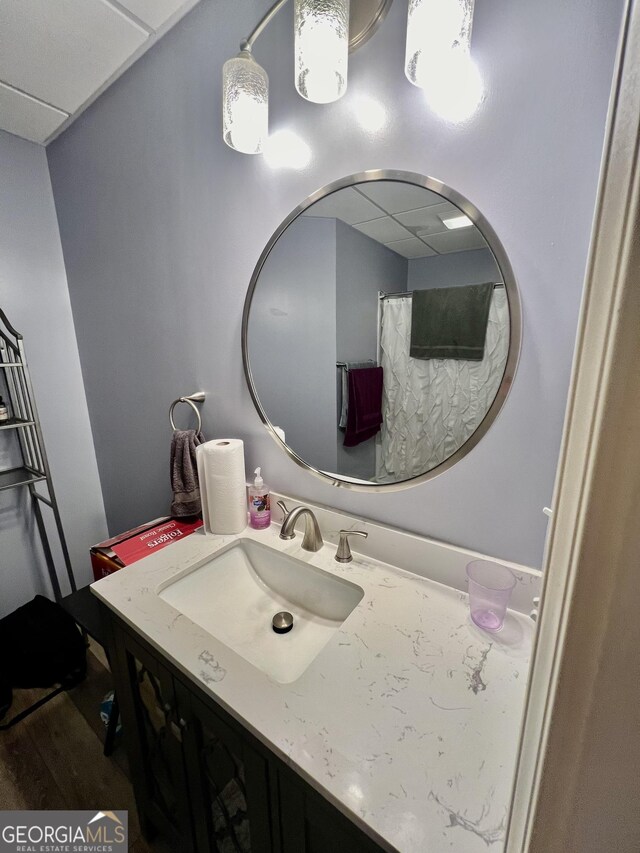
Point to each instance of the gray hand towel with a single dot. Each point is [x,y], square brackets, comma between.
[184,473]
[450,322]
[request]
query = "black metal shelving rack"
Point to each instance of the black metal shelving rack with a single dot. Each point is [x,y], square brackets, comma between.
[34,472]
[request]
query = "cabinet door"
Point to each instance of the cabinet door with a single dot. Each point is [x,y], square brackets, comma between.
[228,783]
[153,737]
[310,824]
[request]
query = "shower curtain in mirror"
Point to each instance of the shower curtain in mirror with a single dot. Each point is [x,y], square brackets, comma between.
[430,407]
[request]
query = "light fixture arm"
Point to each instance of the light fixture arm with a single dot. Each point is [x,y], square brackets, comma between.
[325,32]
[247,44]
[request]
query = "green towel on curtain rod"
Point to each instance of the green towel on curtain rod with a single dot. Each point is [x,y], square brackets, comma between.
[450,322]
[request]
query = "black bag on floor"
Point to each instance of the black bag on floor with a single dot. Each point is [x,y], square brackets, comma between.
[40,645]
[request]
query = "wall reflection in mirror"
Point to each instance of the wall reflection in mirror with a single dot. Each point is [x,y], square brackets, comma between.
[378,331]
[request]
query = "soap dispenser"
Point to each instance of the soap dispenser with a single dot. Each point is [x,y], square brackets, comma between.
[259,503]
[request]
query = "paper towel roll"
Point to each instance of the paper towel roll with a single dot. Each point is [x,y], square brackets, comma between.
[222,485]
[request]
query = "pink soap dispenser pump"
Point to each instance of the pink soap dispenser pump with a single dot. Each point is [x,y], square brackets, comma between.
[259,503]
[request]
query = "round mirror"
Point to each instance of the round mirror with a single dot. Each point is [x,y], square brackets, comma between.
[381,330]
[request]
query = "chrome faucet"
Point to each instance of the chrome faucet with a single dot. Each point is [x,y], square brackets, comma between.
[312,540]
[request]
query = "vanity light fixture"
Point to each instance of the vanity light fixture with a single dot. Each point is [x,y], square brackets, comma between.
[454,222]
[438,42]
[321,47]
[436,30]
[245,103]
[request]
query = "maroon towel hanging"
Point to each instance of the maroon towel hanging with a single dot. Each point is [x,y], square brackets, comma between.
[365,405]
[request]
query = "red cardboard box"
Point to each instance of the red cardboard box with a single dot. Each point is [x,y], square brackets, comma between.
[113,554]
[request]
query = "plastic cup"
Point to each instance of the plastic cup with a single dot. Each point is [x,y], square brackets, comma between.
[490,587]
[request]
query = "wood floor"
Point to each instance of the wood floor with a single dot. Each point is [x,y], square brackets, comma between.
[53,759]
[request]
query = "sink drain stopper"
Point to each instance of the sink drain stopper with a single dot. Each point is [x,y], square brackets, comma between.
[282,622]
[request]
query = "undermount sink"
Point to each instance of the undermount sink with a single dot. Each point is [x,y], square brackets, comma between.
[235,596]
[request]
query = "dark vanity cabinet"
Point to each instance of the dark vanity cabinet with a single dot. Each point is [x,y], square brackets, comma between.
[148,705]
[228,783]
[204,782]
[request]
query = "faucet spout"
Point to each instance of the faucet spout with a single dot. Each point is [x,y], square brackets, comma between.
[312,540]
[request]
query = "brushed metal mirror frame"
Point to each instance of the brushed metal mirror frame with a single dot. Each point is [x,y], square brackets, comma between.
[515,320]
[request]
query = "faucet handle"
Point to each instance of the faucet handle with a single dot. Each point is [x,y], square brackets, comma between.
[285,511]
[536,609]
[343,554]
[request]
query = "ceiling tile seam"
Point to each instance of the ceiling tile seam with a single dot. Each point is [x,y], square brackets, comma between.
[384,243]
[371,201]
[152,39]
[421,239]
[387,212]
[411,235]
[125,13]
[397,221]
[387,215]
[425,239]
[407,229]
[36,100]
[401,240]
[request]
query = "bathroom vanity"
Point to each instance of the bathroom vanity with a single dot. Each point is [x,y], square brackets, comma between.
[384,719]
[397,729]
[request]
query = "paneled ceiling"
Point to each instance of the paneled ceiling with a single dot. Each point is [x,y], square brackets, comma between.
[57,56]
[406,219]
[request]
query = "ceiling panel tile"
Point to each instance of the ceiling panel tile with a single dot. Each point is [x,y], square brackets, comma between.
[61,52]
[396,197]
[427,220]
[25,117]
[347,205]
[155,13]
[412,248]
[383,230]
[460,240]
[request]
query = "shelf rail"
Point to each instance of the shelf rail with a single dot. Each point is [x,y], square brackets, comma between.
[35,466]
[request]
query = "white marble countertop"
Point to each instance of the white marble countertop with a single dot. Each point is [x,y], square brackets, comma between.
[408,720]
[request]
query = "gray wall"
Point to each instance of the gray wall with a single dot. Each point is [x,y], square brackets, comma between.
[317,298]
[476,266]
[363,267]
[35,298]
[294,311]
[162,225]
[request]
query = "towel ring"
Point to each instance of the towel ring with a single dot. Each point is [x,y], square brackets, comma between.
[191,400]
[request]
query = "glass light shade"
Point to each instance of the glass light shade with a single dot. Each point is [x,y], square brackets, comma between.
[245,104]
[435,30]
[321,49]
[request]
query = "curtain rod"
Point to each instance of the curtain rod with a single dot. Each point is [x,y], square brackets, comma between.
[409,293]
